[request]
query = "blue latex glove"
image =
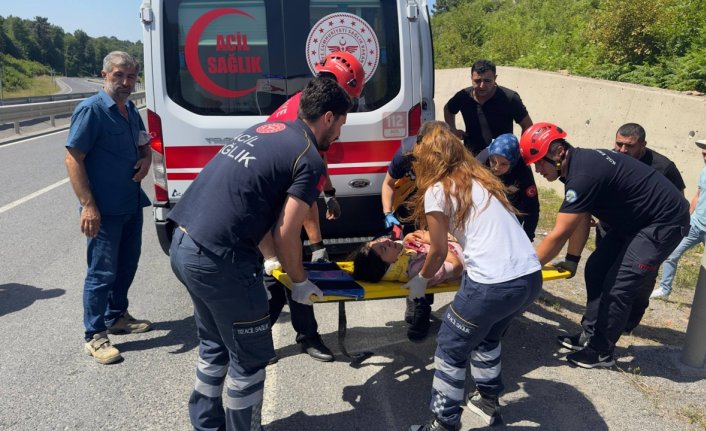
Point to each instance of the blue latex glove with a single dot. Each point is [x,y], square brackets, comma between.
[391,220]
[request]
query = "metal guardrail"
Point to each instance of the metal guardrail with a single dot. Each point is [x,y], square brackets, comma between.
[41,99]
[18,113]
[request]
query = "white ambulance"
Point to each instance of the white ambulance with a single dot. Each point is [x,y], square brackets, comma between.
[214,68]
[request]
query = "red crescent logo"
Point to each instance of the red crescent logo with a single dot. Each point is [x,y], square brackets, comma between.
[191,53]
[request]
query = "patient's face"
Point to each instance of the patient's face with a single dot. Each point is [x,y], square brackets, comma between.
[387,249]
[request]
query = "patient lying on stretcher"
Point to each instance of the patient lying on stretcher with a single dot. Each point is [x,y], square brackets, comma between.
[388,260]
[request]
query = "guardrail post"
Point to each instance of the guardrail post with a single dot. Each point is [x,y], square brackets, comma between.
[694,352]
[17,127]
[52,120]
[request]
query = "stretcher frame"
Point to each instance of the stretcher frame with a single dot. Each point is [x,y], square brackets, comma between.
[386,290]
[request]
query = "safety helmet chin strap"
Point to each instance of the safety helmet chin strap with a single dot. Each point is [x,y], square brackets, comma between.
[555,163]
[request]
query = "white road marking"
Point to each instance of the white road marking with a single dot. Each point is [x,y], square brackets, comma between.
[20,201]
[31,139]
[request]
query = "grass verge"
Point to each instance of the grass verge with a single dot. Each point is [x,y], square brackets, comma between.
[41,86]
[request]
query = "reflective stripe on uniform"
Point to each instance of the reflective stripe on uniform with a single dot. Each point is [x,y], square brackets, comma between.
[447,389]
[448,369]
[486,366]
[239,403]
[241,383]
[207,389]
[213,370]
[489,356]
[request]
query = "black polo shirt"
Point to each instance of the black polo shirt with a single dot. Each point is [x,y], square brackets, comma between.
[239,195]
[620,190]
[500,111]
[664,166]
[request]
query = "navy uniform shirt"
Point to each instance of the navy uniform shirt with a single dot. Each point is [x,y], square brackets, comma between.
[401,164]
[620,190]
[504,107]
[239,195]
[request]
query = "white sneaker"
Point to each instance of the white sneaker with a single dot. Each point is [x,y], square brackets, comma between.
[659,293]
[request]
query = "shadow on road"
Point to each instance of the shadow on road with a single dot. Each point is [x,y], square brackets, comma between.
[15,297]
[405,383]
[179,333]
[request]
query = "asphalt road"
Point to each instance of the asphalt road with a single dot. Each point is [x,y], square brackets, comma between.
[77,85]
[48,383]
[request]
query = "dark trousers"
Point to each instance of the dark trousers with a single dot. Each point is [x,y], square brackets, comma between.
[235,336]
[471,329]
[642,301]
[302,316]
[621,271]
[112,258]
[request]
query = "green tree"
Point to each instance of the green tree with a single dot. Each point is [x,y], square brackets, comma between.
[630,31]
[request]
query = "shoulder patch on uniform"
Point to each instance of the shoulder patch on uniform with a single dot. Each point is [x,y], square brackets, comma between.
[271,128]
[571,196]
[531,191]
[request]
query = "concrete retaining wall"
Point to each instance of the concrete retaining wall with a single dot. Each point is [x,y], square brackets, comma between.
[591,110]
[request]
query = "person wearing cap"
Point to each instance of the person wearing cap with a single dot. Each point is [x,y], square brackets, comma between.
[349,74]
[502,156]
[697,233]
[630,140]
[488,110]
[398,187]
[648,215]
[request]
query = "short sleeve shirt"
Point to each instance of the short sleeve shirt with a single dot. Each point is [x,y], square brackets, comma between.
[110,143]
[239,195]
[401,164]
[495,248]
[622,191]
[500,111]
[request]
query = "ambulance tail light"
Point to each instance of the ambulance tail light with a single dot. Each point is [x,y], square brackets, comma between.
[159,171]
[415,119]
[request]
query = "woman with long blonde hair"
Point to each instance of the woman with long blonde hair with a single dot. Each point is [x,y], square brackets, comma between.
[502,275]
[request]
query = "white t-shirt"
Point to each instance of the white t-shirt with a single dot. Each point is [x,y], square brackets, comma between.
[495,247]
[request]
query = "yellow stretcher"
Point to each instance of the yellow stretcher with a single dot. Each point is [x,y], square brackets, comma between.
[354,290]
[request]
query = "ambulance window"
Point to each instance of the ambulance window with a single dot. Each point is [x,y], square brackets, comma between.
[247,57]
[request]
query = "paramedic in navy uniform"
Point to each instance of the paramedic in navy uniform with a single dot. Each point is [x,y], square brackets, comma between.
[649,217]
[263,183]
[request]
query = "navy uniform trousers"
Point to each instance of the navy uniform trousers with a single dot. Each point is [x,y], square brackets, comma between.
[235,335]
[619,275]
[472,327]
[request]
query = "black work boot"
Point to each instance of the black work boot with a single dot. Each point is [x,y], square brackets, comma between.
[435,425]
[315,347]
[409,311]
[486,407]
[420,324]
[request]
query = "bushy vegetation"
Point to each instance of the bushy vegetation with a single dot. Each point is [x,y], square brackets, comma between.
[660,43]
[35,47]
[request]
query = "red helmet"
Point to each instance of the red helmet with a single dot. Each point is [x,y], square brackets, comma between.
[347,70]
[534,143]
